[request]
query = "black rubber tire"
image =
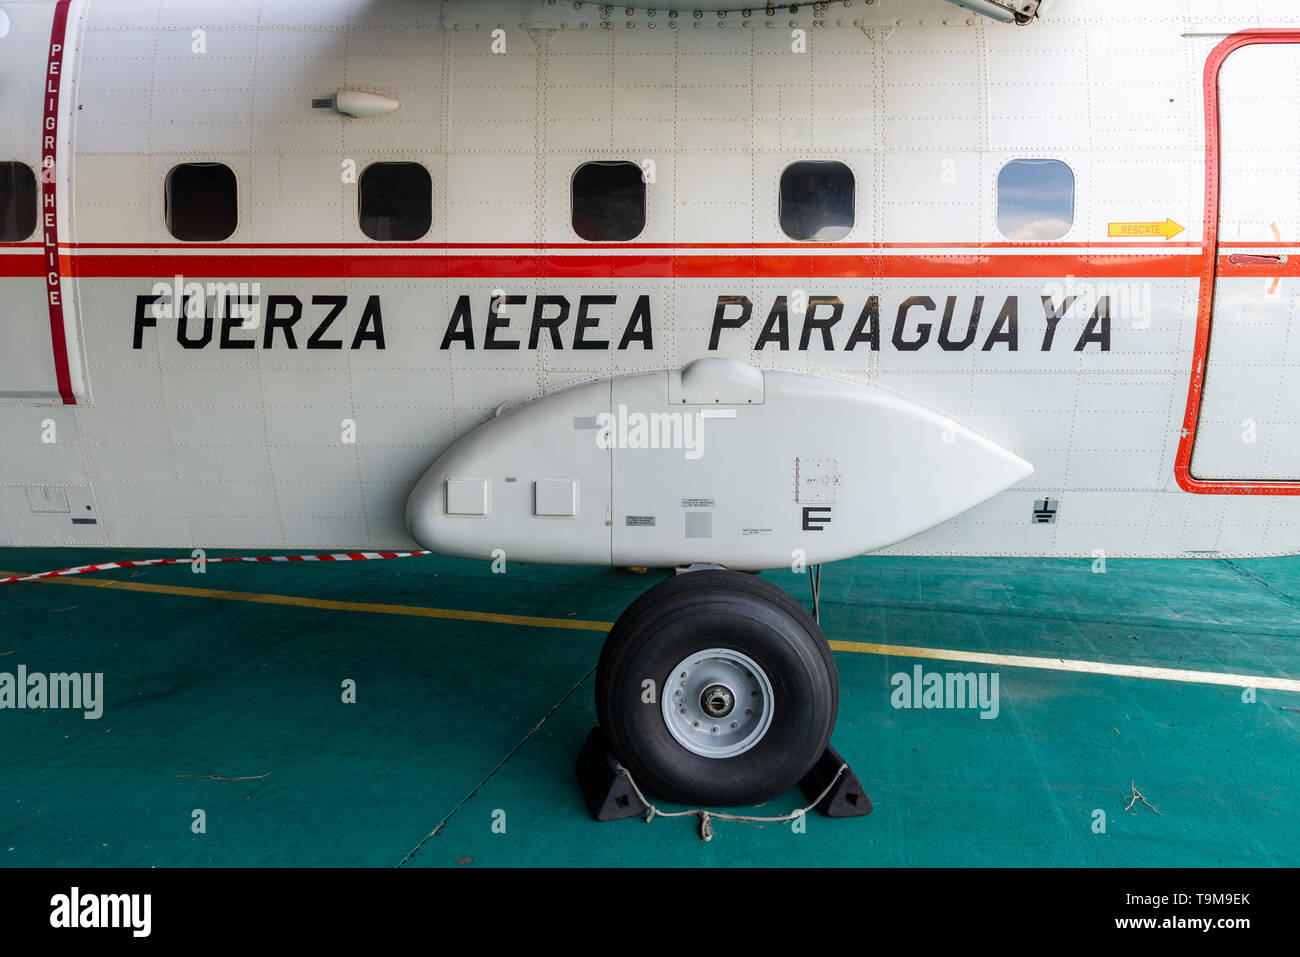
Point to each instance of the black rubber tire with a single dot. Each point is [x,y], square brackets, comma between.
[717,609]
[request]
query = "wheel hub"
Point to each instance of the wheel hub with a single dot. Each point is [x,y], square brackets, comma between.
[718,703]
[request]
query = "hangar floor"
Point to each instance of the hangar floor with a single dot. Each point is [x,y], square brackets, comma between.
[223,693]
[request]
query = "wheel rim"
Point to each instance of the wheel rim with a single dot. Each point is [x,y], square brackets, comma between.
[718,703]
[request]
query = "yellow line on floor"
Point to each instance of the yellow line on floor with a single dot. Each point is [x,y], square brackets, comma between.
[1069,664]
[856,647]
[329,605]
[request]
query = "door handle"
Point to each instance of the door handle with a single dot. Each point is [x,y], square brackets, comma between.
[1252,259]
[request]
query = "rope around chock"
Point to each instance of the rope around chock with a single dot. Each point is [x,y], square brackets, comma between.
[706,816]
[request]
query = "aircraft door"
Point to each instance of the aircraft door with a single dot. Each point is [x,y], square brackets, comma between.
[40,355]
[1248,428]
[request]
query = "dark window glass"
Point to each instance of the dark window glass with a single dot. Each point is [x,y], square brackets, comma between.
[396,201]
[1035,200]
[817,200]
[17,202]
[608,201]
[201,202]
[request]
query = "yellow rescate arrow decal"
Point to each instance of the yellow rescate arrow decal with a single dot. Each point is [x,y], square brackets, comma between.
[1168,229]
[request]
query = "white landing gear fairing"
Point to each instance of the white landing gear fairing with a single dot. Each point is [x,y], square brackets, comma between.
[720,463]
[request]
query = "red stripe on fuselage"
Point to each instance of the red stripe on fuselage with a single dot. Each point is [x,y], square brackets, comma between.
[542,247]
[542,265]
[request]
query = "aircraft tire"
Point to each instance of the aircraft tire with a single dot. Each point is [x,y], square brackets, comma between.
[717,688]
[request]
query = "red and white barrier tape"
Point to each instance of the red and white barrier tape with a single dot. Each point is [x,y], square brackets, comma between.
[336,557]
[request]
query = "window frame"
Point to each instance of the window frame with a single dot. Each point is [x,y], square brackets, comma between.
[36,204]
[780,199]
[168,205]
[997,197]
[361,176]
[645,199]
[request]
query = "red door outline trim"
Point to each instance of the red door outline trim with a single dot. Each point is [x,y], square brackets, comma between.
[1209,254]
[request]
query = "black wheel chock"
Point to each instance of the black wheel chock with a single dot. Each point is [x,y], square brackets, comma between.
[610,796]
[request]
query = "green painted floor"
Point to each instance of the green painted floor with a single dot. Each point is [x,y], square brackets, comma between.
[456,721]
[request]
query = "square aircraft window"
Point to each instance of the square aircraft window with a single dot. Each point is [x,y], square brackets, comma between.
[1035,200]
[17,202]
[396,201]
[608,201]
[817,200]
[200,202]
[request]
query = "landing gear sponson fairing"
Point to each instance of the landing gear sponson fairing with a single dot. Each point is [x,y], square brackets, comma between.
[735,287]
